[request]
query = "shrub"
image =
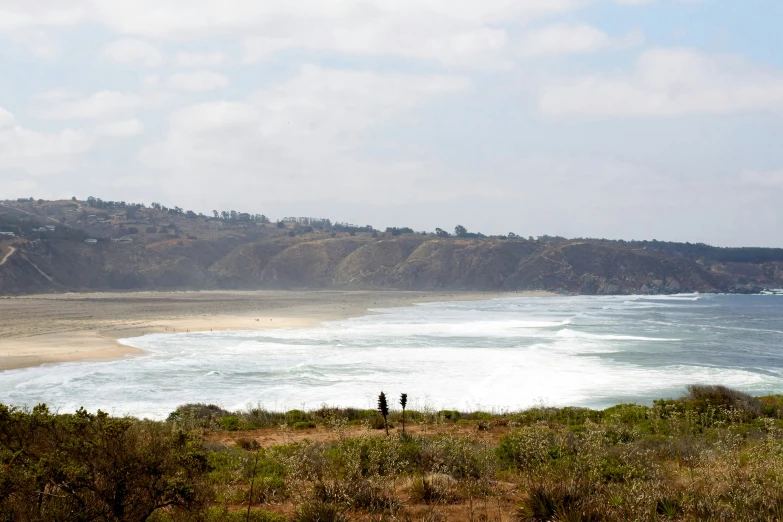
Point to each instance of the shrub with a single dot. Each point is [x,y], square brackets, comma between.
[356,494]
[377,423]
[248,444]
[230,423]
[450,415]
[547,502]
[293,416]
[703,396]
[627,413]
[303,425]
[434,489]
[197,411]
[256,515]
[669,507]
[525,448]
[97,466]
[318,511]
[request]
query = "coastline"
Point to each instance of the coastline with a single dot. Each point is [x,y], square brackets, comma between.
[57,328]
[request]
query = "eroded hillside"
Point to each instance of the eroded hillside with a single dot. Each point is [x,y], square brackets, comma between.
[159,250]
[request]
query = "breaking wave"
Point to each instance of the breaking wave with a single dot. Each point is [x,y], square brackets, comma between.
[503,353]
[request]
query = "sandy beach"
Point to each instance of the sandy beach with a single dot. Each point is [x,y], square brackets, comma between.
[42,329]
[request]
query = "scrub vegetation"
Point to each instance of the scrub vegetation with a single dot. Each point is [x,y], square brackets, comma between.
[715,454]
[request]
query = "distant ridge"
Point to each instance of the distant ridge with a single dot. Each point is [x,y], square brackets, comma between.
[161,248]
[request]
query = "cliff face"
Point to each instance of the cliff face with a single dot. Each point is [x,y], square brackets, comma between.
[363,262]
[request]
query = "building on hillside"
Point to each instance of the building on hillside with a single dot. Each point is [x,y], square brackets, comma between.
[7,234]
[91,241]
[123,240]
[50,228]
[41,229]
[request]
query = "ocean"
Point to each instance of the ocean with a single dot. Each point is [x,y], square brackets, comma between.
[495,355]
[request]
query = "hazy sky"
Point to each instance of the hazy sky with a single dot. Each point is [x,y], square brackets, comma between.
[612,118]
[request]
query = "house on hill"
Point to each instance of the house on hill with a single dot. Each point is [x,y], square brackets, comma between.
[90,241]
[124,240]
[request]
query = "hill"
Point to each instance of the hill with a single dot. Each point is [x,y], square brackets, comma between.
[51,246]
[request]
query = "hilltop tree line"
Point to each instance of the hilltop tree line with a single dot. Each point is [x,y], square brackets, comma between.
[703,252]
[303,225]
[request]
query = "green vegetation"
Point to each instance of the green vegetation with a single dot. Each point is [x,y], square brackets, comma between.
[715,454]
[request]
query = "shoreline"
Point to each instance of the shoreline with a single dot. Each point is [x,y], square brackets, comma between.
[58,328]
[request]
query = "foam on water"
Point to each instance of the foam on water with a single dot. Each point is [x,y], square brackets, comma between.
[506,353]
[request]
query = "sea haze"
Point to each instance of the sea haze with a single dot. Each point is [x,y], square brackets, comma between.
[500,354]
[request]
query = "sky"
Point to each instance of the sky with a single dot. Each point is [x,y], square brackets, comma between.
[624,119]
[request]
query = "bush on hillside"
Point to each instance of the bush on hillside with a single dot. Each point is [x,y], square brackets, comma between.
[705,395]
[103,468]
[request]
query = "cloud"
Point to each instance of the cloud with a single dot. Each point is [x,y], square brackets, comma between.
[564,39]
[209,59]
[35,42]
[668,82]
[129,51]
[455,33]
[768,179]
[38,153]
[104,104]
[198,81]
[173,19]
[23,14]
[120,129]
[453,45]
[299,139]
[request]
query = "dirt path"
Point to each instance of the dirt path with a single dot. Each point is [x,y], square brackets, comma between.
[47,276]
[267,437]
[8,254]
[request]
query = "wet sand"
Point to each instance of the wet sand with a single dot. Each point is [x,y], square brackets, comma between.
[42,329]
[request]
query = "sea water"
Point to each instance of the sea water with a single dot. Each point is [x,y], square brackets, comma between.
[500,354]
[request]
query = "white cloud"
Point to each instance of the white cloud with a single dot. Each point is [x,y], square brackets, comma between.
[198,81]
[150,80]
[564,39]
[34,41]
[120,129]
[53,95]
[37,153]
[458,33]
[174,19]
[451,44]
[768,179]
[668,82]
[104,104]
[210,59]
[129,51]
[22,14]
[299,139]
